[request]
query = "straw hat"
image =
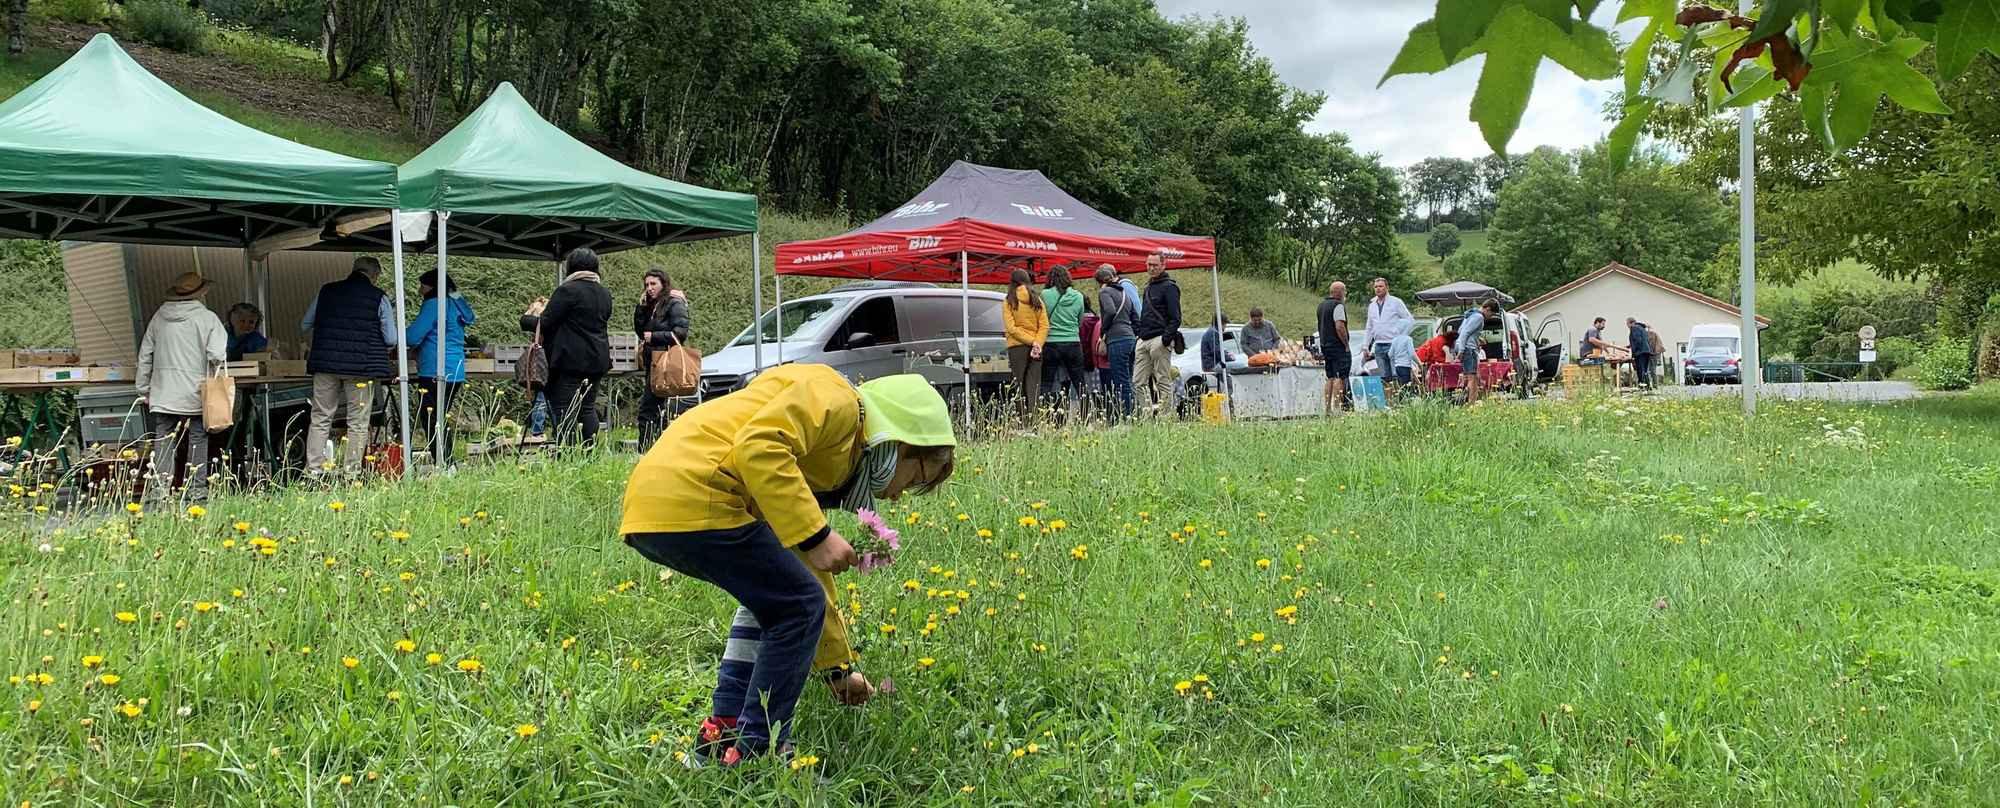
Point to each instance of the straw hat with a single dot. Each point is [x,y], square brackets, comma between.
[187,286]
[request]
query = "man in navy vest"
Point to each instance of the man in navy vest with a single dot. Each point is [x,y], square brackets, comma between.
[353,331]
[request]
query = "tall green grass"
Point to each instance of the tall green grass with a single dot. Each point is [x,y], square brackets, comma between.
[1605,602]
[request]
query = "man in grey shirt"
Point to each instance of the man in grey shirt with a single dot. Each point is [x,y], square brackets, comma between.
[1258,335]
[1116,315]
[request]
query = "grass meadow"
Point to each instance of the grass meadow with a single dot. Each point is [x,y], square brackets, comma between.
[1616,602]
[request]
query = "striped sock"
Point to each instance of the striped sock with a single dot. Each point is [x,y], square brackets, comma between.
[739,656]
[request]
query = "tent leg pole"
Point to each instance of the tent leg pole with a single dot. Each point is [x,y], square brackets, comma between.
[965,332]
[778,285]
[1221,383]
[440,384]
[756,303]
[402,343]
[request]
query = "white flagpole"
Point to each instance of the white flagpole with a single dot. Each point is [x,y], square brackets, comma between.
[965,332]
[439,385]
[1746,249]
[756,303]
[1221,382]
[402,343]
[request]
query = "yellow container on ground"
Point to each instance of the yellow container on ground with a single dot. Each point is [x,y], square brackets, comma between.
[1214,408]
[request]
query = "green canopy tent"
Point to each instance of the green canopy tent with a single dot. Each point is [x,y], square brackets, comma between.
[101,150]
[505,183]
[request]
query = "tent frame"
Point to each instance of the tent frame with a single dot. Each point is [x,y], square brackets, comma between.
[964,260]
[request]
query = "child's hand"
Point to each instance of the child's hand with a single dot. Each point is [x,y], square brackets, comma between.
[852,690]
[833,556]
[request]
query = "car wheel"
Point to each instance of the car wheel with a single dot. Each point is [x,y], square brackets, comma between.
[1190,399]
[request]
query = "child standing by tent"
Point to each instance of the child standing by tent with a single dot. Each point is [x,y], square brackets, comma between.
[735,494]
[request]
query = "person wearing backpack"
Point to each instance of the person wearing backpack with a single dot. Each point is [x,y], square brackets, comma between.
[1118,311]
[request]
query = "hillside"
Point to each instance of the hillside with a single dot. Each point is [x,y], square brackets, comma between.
[1428,267]
[269,85]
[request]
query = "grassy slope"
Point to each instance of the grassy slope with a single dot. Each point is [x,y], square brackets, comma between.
[1414,245]
[1646,607]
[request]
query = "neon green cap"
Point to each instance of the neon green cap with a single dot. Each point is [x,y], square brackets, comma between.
[907,409]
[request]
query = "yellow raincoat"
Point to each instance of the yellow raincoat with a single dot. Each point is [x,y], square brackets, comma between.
[757,454]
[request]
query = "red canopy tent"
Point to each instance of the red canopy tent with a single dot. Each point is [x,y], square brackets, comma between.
[976,224]
[997,218]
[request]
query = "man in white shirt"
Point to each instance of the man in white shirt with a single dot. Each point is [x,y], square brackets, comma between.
[1387,317]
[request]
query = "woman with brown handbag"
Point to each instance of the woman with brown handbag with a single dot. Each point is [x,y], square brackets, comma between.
[661,321]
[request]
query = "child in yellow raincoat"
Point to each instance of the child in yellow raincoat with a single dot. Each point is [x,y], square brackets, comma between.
[735,494]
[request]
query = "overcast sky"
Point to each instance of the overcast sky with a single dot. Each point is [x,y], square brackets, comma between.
[1341,49]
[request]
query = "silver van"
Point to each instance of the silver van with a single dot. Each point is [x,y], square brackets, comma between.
[864,330]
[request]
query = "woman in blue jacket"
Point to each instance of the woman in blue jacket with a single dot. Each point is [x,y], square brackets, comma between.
[423,335]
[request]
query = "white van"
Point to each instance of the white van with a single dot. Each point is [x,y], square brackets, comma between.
[1714,354]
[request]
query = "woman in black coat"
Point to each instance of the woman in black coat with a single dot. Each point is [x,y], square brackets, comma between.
[574,325]
[661,321]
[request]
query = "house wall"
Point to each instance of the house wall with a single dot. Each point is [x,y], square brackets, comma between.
[114,290]
[1617,296]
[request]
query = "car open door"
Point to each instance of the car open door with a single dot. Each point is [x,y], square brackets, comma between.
[1551,347]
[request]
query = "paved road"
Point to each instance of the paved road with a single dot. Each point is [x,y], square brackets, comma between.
[1825,391]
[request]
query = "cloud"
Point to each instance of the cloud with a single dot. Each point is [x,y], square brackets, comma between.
[1341,49]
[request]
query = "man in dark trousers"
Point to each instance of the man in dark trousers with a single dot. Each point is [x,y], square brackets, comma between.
[1642,351]
[574,326]
[353,331]
[1159,332]
[1333,345]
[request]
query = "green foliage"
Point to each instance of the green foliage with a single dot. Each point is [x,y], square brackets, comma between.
[81,12]
[1443,241]
[35,310]
[1841,56]
[1946,365]
[1895,353]
[1473,265]
[1563,216]
[170,24]
[1825,325]
[1339,221]
[296,21]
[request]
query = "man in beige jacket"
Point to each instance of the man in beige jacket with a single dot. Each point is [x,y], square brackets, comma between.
[185,343]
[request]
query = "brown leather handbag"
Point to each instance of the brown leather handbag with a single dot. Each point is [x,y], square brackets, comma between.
[675,372]
[532,371]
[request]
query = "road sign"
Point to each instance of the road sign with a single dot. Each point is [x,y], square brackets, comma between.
[1868,354]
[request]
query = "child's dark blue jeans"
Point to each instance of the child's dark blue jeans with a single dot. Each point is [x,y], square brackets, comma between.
[774,584]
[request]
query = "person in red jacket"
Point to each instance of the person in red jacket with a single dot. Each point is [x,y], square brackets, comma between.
[1435,350]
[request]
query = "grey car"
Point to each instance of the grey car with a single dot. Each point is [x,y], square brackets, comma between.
[864,330]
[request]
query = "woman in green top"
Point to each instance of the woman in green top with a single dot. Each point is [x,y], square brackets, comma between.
[1062,355]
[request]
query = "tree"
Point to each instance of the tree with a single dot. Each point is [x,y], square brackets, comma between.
[17,27]
[1564,215]
[1839,57]
[1443,241]
[1340,222]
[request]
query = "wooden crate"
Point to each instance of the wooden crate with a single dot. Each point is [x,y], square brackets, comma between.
[110,373]
[1579,380]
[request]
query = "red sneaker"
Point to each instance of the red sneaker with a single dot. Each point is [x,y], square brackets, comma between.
[717,734]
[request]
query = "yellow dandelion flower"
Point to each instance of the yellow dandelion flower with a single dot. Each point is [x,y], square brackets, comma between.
[349,662]
[197,511]
[803,761]
[1080,552]
[34,705]
[888,629]
[394,695]
[1263,563]
[1201,678]
[236,593]
[1257,636]
[127,617]
[336,506]
[92,660]
[985,534]
[110,679]
[1183,686]
[470,665]
[132,508]
[1207,563]
[130,710]
[242,527]
[526,730]
[926,662]
[1277,648]
[1019,753]
[1287,611]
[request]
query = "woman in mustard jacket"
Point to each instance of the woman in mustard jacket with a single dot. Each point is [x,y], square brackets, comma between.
[735,494]
[1027,325]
